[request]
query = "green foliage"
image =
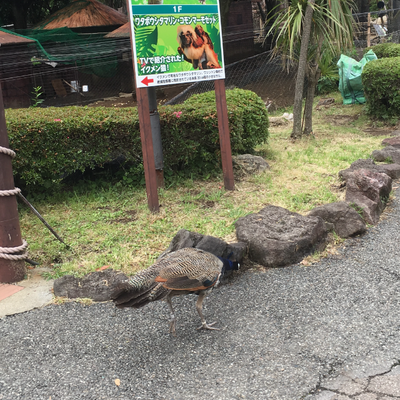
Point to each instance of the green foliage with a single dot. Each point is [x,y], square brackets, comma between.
[385,50]
[381,82]
[248,117]
[31,11]
[373,5]
[332,20]
[36,93]
[329,80]
[52,143]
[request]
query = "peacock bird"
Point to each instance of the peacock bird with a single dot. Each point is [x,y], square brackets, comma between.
[185,271]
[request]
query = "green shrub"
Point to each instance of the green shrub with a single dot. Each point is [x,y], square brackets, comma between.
[329,80]
[54,142]
[385,50]
[381,81]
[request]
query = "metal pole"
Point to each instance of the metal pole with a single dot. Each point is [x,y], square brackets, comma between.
[10,232]
[36,212]
[156,135]
[224,137]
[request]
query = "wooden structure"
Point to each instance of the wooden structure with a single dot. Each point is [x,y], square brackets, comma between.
[65,38]
[15,69]
[83,13]
[239,32]
[12,265]
[123,31]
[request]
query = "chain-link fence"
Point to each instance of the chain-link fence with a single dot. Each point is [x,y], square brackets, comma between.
[262,74]
[377,27]
[107,70]
[81,82]
[266,77]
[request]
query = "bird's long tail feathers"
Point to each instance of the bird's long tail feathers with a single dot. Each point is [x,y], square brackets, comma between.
[137,298]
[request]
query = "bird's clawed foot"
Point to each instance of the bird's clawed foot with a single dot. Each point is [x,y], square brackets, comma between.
[210,327]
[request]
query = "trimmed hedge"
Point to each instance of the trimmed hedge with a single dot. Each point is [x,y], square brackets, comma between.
[381,81]
[385,50]
[53,142]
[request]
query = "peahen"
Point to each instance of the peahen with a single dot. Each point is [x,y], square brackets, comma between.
[184,271]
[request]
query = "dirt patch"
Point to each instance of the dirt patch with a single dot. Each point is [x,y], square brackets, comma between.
[201,203]
[129,99]
[207,204]
[130,216]
[278,95]
[339,120]
[378,131]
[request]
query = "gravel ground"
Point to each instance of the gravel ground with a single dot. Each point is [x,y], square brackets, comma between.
[283,331]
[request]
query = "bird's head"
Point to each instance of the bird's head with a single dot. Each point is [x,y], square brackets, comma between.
[229,265]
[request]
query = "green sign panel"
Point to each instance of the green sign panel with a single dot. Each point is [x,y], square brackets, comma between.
[176,41]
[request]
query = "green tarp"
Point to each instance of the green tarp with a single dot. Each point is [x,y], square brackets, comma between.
[350,84]
[92,51]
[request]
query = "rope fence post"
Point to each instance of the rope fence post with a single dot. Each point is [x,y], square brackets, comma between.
[12,247]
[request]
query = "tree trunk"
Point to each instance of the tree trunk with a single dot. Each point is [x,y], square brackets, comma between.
[298,96]
[313,77]
[19,14]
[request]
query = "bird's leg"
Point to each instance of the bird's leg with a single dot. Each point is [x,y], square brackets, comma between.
[172,324]
[199,307]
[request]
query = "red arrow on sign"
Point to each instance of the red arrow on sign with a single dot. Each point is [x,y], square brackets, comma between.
[146,81]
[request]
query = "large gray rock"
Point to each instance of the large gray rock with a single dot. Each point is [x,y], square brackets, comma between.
[212,244]
[248,164]
[183,239]
[368,190]
[393,170]
[392,141]
[216,246]
[387,154]
[98,286]
[277,237]
[345,219]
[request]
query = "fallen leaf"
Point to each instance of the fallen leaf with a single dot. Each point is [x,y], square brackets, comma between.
[117,382]
[103,268]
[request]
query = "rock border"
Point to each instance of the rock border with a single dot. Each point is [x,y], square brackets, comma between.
[270,237]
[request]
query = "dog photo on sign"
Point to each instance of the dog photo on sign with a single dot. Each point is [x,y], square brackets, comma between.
[196,47]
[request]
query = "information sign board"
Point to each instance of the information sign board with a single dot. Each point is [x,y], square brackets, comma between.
[380,30]
[176,41]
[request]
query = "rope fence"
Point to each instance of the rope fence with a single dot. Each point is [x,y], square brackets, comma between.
[11,253]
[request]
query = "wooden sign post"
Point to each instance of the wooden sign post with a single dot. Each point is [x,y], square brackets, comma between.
[175,42]
[147,149]
[224,135]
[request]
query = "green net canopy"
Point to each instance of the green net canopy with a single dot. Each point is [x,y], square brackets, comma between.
[97,54]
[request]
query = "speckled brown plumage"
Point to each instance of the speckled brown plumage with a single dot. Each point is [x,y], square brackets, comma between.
[184,271]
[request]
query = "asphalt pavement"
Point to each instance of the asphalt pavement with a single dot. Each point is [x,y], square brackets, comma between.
[328,331]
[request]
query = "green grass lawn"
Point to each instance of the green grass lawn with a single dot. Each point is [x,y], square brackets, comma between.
[107,223]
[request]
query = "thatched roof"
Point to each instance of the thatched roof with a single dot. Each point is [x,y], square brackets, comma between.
[10,38]
[83,13]
[122,31]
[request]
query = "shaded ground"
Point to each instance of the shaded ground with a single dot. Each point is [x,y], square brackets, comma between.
[129,99]
[284,333]
[281,95]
